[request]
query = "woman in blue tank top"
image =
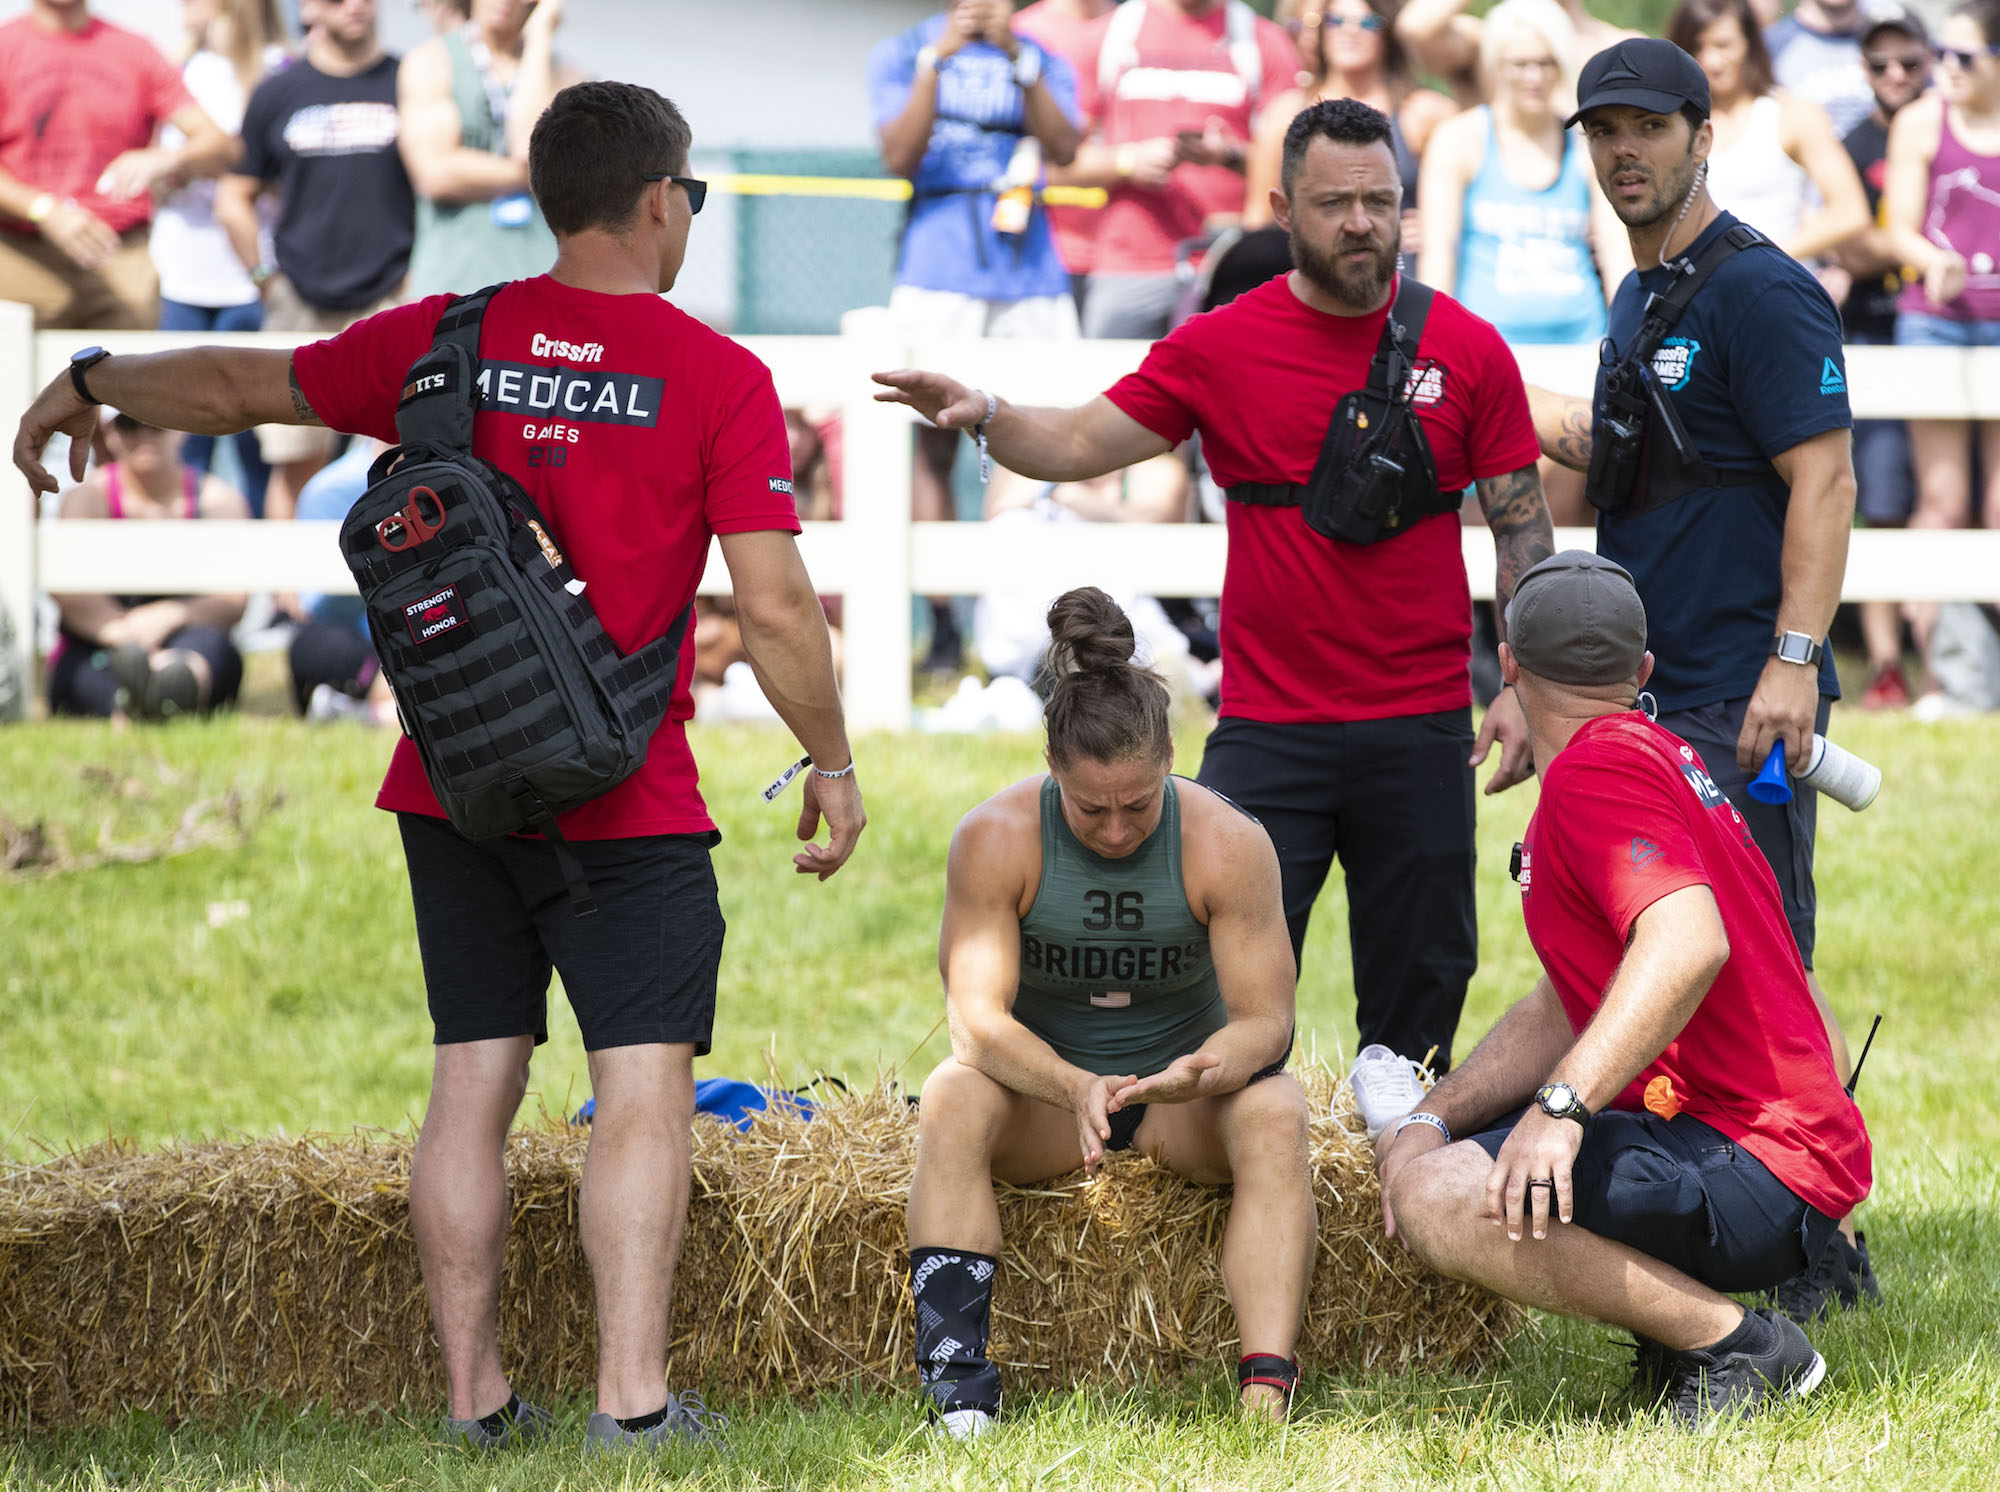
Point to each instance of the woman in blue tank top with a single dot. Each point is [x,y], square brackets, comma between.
[1514,226]
[1118,975]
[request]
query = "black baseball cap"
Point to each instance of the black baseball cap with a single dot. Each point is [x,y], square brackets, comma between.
[1644,72]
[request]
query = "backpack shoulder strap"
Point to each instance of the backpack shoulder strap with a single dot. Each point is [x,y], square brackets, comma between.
[459,325]
[1663,312]
[441,393]
[1402,332]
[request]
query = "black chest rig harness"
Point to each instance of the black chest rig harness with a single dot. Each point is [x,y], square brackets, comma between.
[1641,456]
[1375,477]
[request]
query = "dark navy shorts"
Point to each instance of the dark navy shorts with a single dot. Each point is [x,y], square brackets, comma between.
[1685,1194]
[494,917]
[1785,832]
[1125,1123]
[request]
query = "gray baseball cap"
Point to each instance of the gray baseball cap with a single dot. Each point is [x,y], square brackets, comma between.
[1576,618]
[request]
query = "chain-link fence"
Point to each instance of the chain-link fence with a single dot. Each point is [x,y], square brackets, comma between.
[791,262]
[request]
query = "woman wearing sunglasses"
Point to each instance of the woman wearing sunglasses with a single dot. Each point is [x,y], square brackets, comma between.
[1943,204]
[1349,50]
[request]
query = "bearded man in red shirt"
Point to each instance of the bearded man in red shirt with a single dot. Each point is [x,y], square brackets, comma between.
[1661,1111]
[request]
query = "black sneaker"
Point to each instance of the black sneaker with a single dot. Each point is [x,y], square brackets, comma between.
[1708,1386]
[1652,1370]
[1839,1279]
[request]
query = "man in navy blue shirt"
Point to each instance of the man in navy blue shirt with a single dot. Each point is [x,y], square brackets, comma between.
[968,112]
[1740,563]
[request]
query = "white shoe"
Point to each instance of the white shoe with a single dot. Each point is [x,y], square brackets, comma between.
[1386,1087]
[965,1424]
[328,703]
[1937,705]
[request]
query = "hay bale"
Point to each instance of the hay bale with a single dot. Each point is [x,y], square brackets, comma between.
[185,1279]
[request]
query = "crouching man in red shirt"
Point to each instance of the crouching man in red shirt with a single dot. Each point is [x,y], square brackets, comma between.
[1658,1121]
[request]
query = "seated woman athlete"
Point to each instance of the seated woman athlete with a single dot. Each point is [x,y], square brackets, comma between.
[1118,976]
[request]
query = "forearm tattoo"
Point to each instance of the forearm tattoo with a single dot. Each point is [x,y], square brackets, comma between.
[301,406]
[1573,441]
[1522,535]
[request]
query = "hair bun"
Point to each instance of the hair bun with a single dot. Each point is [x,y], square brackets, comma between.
[1088,633]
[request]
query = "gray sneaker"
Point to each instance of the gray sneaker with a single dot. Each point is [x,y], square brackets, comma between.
[524,1426]
[688,1420]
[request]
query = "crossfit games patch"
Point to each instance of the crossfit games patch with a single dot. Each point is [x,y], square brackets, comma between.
[441,612]
[1425,386]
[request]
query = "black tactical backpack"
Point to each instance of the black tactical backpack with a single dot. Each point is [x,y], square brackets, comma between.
[520,704]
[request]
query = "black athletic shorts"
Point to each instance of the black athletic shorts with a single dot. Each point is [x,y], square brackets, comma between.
[1785,831]
[493,917]
[1684,1193]
[1125,1123]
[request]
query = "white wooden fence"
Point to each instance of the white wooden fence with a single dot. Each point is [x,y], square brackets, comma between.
[876,558]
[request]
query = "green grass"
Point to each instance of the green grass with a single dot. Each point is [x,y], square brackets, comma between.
[302,1008]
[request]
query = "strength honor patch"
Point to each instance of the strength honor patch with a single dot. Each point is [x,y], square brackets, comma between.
[438,613]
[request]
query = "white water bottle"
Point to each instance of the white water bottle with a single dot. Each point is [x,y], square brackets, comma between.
[1841,775]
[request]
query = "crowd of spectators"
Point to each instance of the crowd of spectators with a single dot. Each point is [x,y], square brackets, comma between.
[299,180]
[1177,108]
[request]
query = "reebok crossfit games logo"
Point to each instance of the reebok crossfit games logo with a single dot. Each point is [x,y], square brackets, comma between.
[441,612]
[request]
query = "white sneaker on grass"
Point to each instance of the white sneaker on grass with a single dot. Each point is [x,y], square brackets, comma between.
[1386,1087]
[966,1424]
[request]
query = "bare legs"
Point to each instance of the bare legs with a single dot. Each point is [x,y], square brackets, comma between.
[458,1210]
[972,1131]
[1439,1200]
[633,1207]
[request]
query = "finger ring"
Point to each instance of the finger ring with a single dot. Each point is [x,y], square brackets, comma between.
[1548,1181]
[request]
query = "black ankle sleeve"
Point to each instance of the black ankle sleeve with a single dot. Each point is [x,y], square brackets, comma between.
[953,1289]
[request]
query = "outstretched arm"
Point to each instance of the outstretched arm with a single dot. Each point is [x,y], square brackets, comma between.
[1050,445]
[202,390]
[1562,425]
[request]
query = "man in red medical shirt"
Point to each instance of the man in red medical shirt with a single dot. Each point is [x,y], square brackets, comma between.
[640,434]
[1658,1121]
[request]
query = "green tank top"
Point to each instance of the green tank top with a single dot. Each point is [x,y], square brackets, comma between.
[465,246]
[1115,969]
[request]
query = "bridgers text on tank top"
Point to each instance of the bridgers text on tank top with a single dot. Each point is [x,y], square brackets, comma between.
[1963,214]
[1115,969]
[1757,181]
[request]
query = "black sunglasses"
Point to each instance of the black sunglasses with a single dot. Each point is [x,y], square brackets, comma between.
[696,189]
[1908,66]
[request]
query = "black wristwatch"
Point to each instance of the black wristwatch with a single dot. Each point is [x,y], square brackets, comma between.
[81,363]
[1559,1101]
[1796,647]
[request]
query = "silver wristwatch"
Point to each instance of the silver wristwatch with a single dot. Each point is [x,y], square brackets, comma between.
[1796,647]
